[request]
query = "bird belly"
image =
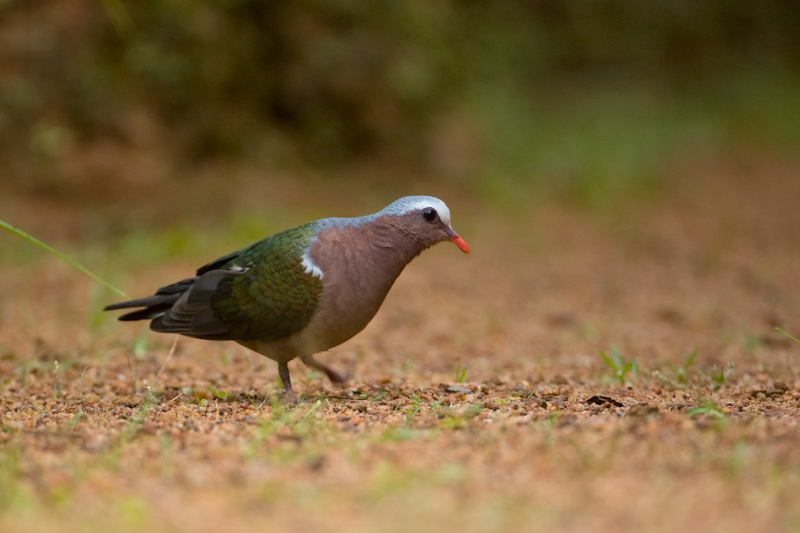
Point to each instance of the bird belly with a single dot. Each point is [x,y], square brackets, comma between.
[281,351]
[321,334]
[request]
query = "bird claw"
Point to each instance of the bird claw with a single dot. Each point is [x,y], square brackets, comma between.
[333,376]
[290,397]
[350,371]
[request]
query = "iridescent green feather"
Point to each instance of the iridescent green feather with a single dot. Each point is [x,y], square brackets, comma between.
[273,297]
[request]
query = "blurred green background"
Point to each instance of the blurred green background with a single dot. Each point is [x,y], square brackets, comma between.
[104,100]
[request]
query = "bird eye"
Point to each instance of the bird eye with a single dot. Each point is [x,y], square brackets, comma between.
[429,214]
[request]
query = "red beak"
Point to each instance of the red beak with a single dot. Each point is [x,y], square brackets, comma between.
[458,241]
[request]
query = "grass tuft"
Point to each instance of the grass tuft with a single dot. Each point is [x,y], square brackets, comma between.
[719,375]
[706,406]
[619,368]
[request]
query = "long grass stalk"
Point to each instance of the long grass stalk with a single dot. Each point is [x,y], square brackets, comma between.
[18,232]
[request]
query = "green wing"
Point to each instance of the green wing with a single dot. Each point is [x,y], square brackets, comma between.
[259,293]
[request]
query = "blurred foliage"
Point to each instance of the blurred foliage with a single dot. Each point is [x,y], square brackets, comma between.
[587,92]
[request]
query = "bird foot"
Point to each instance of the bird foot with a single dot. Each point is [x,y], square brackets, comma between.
[283,372]
[350,371]
[335,377]
[290,397]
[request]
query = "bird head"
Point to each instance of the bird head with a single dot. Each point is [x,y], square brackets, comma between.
[427,219]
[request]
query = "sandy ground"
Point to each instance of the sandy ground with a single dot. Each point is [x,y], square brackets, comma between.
[478,400]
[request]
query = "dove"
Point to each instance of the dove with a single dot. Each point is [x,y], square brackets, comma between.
[303,290]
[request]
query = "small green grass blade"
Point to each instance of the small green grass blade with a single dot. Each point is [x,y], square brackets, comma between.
[689,361]
[625,369]
[608,361]
[60,255]
[706,406]
[616,357]
[793,338]
[379,396]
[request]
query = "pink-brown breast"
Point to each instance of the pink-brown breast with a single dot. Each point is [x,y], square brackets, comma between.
[359,265]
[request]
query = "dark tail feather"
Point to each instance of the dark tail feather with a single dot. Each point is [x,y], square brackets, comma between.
[146,314]
[155,305]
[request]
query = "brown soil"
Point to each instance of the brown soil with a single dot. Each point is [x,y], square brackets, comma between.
[478,399]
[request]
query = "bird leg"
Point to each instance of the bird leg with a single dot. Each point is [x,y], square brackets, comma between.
[332,375]
[283,372]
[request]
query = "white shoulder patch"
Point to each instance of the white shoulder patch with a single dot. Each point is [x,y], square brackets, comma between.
[310,267]
[239,268]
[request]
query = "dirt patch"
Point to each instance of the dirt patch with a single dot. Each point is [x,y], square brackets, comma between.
[478,398]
